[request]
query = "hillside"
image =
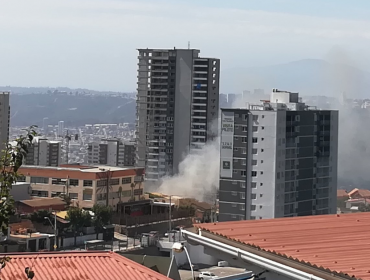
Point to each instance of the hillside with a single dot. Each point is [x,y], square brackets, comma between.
[29,109]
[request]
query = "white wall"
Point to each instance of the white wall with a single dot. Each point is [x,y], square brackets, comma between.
[43,152]
[265,164]
[112,153]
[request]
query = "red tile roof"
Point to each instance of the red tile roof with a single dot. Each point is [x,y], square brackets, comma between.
[92,265]
[342,193]
[339,243]
[360,192]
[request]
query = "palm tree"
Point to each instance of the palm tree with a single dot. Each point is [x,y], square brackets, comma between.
[105,187]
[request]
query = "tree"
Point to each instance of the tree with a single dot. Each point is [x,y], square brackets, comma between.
[102,215]
[78,218]
[11,160]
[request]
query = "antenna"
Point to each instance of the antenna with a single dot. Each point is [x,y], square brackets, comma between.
[188,45]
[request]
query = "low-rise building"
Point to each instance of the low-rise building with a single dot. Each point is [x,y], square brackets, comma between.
[77,265]
[85,185]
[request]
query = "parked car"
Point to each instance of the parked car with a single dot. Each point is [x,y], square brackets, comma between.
[206,275]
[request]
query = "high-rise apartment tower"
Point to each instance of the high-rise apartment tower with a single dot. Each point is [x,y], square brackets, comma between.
[177,105]
[44,152]
[5,118]
[278,159]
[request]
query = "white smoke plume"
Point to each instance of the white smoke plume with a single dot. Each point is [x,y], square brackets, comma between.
[198,175]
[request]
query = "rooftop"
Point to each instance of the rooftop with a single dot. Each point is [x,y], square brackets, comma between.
[94,265]
[43,202]
[334,242]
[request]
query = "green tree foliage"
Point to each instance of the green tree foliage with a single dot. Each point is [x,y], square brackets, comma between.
[102,216]
[78,219]
[11,160]
[39,216]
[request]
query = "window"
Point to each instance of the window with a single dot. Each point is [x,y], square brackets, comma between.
[242,185]
[254,173]
[114,181]
[73,182]
[261,195]
[242,195]
[39,180]
[234,182]
[126,180]
[253,196]
[254,185]
[253,207]
[263,116]
[244,139]
[255,117]
[73,195]
[126,193]
[235,138]
[87,183]
[40,193]
[262,150]
[254,140]
[242,207]
[244,162]
[245,129]
[244,151]
[261,161]
[253,218]
[260,206]
[254,162]
[234,193]
[262,127]
[138,192]
[101,183]
[262,139]
[261,172]
[254,151]
[235,171]
[235,149]
[87,194]
[21,178]
[255,128]
[245,117]
[261,184]
[243,173]
[57,181]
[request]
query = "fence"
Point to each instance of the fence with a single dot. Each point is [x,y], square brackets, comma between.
[147,219]
[80,240]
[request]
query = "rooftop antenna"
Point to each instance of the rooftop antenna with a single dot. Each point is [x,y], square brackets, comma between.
[188,45]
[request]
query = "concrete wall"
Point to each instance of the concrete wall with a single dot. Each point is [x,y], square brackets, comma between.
[20,191]
[183,99]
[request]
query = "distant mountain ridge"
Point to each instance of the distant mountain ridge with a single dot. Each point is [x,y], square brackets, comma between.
[308,76]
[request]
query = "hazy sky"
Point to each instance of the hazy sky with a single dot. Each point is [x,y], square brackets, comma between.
[92,43]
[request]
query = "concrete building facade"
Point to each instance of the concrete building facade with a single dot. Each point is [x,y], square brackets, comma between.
[85,185]
[112,152]
[278,159]
[44,152]
[4,118]
[177,103]
[61,128]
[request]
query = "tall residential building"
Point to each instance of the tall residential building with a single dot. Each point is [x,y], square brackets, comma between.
[112,152]
[61,128]
[44,152]
[177,103]
[278,159]
[4,118]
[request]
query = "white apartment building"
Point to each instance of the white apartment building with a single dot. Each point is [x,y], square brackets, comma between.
[112,152]
[278,159]
[44,152]
[4,118]
[177,103]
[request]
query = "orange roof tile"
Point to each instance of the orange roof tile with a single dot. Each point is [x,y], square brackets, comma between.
[335,242]
[342,193]
[77,265]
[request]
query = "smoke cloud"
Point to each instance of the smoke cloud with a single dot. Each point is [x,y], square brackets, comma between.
[198,175]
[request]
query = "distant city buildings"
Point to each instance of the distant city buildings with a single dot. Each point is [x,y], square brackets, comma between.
[278,159]
[112,152]
[44,152]
[61,128]
[4,117]
[177,103]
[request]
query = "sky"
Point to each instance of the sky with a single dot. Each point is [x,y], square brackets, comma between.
[92,43]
